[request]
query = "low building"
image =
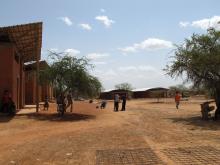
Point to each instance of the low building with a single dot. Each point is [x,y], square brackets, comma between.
[109,95]
[45,89]
[18,44]
[150,93]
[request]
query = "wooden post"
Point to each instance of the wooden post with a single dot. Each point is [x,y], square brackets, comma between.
[37,85]
[37,74]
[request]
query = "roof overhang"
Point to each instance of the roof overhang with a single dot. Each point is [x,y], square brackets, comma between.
[27,39]
[32,65]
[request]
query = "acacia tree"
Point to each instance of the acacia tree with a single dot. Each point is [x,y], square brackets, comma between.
[124,86]
[68,73]
[199,59]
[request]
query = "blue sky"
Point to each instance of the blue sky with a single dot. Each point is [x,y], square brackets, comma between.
[127,40]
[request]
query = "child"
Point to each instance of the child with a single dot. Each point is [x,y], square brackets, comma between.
[46,103]
[177,99]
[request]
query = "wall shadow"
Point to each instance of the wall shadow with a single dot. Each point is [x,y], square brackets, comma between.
[5,117]
[197,121]
[67,117]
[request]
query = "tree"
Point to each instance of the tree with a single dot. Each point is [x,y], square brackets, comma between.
[180,88]
[199,59]
[124,86]
[68,73]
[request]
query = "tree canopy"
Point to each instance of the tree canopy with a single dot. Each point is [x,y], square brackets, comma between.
[124,86]
[199,59]
[68,73]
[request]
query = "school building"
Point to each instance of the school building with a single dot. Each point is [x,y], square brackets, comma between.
[45,88]
[136,93]
[18,45]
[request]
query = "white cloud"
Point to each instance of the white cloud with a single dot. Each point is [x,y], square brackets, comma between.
[105,20]
[204,24]
[53,49]
[99,63]
[72,52]
[95,56]
[66,20]
[108,75]
[207,23]
[184,24]
[102,10]
[85,26]
[138,76]
[140,68]
[127,68]
[148,44]
[146,68]
[128,49]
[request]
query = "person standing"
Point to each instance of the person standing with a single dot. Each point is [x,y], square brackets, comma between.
[123,102]
[116,103]
[70,101]
[46,103]
[5,101]
[8,106]
[177,99]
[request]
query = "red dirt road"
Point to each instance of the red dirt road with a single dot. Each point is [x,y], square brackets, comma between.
[46,138]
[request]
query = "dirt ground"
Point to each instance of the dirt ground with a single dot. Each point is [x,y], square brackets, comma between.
[83,137]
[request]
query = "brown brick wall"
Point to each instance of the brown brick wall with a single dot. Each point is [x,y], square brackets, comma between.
[10,74]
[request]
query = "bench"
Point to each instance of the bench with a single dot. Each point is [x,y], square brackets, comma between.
[206,109]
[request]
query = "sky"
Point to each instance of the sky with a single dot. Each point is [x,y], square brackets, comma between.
[127,40]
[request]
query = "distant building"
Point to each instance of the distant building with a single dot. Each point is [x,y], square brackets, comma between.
[109,95]
[150,93]
[136,93]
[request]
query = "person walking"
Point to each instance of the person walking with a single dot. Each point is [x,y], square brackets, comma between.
[123,102]
[116,103]
[177,99]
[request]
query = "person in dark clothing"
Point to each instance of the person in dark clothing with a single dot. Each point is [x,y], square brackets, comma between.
[61,101]
[5,102]
[46,103]
[8,106]
[70,101]
[116,102]
[123,102]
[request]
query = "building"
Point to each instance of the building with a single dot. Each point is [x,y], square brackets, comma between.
[18,44]
[136,93]
[45,89]
[109,95]
[150,93]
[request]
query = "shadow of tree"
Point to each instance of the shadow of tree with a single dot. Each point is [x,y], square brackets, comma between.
[55,117]
[156,102]
[197,121]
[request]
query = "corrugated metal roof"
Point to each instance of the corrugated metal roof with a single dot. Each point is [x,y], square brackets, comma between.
[145,89]
[26,37]
[140,89]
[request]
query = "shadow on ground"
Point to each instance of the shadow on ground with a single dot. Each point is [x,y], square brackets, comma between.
[197,121]
[55,117]
[5,118]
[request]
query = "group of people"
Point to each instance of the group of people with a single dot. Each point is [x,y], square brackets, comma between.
[65,101]
[117,99]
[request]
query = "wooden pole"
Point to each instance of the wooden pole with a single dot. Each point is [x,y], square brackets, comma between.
[37,85]
[37,74]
